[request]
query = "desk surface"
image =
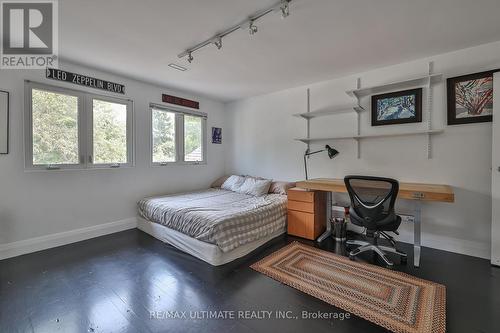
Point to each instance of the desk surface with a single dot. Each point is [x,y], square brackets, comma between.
[410,191]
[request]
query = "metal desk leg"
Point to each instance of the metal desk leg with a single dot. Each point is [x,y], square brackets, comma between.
[328,231]
[416,234]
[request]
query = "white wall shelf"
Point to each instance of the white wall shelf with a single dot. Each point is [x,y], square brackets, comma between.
[316,140]
[423,81]
[369,136]
[426,82]
[327,112]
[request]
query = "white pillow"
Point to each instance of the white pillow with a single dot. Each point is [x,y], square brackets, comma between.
[233,183]
[255,187]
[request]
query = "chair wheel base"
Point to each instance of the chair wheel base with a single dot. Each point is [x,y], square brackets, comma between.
[351,257]
[404,260]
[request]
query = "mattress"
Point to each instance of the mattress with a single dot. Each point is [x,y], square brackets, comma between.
[216,216]
[207,252]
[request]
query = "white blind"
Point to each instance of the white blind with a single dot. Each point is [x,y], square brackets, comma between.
[178,110]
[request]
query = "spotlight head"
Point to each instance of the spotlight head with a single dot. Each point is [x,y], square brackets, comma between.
[252,28]
[218,43]
[285,9]
[190,57]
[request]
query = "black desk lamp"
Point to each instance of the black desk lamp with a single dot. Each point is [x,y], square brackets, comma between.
[331,153]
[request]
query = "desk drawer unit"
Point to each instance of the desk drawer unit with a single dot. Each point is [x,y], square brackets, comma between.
[306,213]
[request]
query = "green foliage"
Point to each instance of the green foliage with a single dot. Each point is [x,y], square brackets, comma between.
[192,134]
[110,132]
[55,128]
[163,136]
[55,131]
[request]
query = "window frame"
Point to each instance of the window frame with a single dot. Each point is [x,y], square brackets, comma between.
[176,137]
[203,140]
[90,131]
[29,87]
[179,135]
[85,128]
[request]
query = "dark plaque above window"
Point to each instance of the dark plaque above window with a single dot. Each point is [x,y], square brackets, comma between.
[83,80]
[180,101]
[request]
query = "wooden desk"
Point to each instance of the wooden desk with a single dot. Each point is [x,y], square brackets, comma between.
[410,191]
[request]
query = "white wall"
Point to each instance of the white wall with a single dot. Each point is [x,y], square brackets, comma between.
[35,204]
[261,132]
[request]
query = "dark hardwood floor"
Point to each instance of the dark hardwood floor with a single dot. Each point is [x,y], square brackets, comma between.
[112,283]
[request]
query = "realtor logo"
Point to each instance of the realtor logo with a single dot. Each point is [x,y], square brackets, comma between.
[29,34]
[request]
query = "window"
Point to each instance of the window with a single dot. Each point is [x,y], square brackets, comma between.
[164,149]
[109,132]
[70,129]
[193,148]
[177,136]
[55,128]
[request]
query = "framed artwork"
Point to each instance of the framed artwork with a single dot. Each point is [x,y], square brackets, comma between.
[470,98]
[399,107]
[216,135]
[4,122]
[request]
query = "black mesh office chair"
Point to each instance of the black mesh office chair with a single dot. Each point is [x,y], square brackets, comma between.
[372,207]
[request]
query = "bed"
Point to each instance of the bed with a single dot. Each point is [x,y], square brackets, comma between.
[214,225]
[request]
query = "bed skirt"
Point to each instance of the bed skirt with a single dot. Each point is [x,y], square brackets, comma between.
[207,252]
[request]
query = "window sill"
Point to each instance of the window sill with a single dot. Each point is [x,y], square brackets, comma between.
[34,170]
[173,164]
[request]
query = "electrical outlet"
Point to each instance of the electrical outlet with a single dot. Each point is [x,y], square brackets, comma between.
[407,218]
[337,208]
[337,211]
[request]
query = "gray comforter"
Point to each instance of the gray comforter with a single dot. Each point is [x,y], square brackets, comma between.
[217,216]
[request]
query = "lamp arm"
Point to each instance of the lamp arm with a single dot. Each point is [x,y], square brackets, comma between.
[306,154]
[314,152]
[305,164]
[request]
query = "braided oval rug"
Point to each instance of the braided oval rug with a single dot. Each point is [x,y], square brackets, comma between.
[394,300]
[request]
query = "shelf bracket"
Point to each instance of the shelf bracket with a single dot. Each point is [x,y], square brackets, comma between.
[429,109]
[308,130]
[358,144]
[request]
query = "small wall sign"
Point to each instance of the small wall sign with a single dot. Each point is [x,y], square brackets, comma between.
[180,101]
[83,80]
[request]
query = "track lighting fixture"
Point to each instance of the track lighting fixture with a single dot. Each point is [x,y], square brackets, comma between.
[252,28]
[285,9]
[282,7]
[218,43]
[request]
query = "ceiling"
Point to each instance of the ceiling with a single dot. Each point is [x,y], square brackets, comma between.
[320,40]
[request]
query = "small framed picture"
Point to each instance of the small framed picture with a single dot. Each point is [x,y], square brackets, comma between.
[399,107]
[470,98]
[4,122]
[216,135]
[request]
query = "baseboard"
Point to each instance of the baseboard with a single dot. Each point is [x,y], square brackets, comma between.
[462,246]
[18,248]
[467,247]
[14,249]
